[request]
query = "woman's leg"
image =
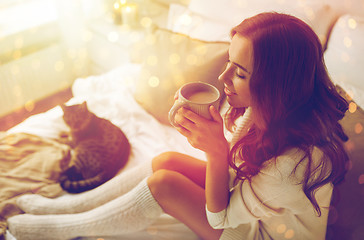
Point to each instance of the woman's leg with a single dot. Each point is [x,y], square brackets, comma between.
[128,213]
[176,194]
[192,168]
[182,198]
[115,187]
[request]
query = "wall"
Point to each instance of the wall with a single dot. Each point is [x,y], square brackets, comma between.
[34,77]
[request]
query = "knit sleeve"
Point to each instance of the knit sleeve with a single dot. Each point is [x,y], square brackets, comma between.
[235,214]
[269,193]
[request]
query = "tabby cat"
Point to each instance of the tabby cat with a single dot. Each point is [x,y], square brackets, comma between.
[100,149]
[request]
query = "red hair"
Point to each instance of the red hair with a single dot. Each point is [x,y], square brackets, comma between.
[294,97]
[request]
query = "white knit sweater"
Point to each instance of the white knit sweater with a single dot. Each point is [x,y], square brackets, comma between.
[273,205]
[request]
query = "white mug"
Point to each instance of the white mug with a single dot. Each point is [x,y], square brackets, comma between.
[196,96]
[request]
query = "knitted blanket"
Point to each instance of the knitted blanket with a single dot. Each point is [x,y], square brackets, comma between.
[28,164]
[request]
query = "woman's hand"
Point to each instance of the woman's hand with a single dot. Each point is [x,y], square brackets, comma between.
[206,135]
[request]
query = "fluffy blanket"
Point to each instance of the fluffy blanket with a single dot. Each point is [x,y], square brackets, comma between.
[28,164]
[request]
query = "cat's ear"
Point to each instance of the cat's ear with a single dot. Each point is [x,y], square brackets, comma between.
[84,105]
[62,105]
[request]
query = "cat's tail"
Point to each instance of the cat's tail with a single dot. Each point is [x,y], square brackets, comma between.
[76,184]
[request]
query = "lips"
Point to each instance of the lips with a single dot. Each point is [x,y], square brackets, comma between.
[228,92]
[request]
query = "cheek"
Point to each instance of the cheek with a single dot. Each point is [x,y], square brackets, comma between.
[245,100]
[243,92]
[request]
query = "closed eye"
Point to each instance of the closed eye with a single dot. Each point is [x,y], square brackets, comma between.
[239,67]
[240,76]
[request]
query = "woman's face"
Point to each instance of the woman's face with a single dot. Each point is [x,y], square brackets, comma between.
[237,74]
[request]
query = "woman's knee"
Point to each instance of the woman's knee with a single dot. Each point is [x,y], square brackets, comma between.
[162,183]
[166,160]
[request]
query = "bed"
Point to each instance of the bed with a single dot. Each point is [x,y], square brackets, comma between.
[136,96]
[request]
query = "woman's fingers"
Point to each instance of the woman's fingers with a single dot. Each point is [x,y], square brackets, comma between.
[191,116]
[185,126]
[215,114]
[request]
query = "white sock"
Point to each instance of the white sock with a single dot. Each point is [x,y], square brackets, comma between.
[115,187]
[129,213]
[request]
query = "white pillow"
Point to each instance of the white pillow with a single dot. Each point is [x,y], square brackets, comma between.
[320,16]
[183,20]
[170,60]
[168,2]
[344,56]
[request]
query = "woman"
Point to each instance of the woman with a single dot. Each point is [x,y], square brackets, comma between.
[273,181]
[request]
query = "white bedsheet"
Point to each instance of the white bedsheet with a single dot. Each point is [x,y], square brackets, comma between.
[111,96]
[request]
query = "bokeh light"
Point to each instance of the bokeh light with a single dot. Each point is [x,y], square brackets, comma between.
[153,81]
[349,145]
[289,234]
[358,128]
[59,66]
[352,107]
[146,22]
[174,58]
[352,23]
[361,179]
[17,54]
[281,228]
[152,60]
[348,42]
[29,105]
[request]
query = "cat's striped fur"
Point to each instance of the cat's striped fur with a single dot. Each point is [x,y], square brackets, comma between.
[100,149]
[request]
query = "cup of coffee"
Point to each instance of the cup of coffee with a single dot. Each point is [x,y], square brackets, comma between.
[196,96]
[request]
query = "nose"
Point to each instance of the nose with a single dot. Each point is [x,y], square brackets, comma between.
[225,76]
